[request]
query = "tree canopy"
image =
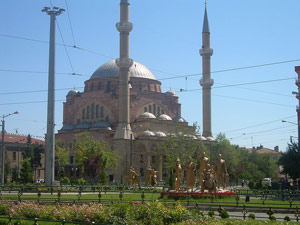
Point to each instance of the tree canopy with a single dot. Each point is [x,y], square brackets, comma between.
[290,160]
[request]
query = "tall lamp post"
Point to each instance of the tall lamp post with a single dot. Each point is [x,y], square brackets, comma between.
[284,121]
[50,141]
[3,143]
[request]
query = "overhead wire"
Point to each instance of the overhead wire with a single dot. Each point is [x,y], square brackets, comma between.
[68,12]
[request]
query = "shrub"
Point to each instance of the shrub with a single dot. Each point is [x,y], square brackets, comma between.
[223,214]
[64,180]
[287,218]
[211,213]
[251,216]
[251,184]
[81,181]
[272,218]
[258,185]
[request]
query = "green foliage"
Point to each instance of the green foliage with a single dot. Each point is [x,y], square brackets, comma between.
[171,179]
[103,177]
[252,216]
[92,156]
[81,181]
[251,184]
[211,213]
[258,185]
[287,218]
[223,214]
[272,218]
[65,180]
[15,174]
[290,160]
[61,157]
[26,172]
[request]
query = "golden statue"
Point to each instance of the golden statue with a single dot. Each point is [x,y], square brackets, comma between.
[209,182]
[148,176]
[154,177]
[204,165]
[221,172]
[132,176]
[190,174]
[178,174]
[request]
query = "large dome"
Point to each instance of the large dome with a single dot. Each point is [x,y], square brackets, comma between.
[110,69]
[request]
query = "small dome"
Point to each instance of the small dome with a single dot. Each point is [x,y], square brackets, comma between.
[201,138]
[110,69]
[147,115]
[73,92]
[67,127]
[164,117]
[148,133]
[210,139]
[179,119]
[171,93]
[160,134]
[83,125]
[101,124]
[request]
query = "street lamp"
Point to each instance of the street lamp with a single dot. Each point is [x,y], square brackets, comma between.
[284,121]
[3,142]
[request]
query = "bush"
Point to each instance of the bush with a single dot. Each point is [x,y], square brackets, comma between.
[258,185]
[251,216]
[272,218]
[64,180]
[287,218]
[251,185]
[211,213]
[223,214]
[81,181]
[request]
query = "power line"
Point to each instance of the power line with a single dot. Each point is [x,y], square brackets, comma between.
[30,71]
[70,22]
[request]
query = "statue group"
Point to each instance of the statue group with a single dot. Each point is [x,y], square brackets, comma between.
[210,177]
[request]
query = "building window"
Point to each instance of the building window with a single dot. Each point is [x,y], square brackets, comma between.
[107,119]
[158,111]
[14,156]
[71,159]
[154,109]
[150,109]
[70,146]
[88,112]
[140,86]
[111,178]
[145,109]
[97,111]
[141,158]
[102,112]
[92,111]
[99,85]
[83,114]
[142,172]
[92,87]
[155,87]
[148,87]
[108,86]
[86,87]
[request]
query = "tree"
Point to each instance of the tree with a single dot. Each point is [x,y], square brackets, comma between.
[26,172]
[93,157]
[290,160]
[61,157]
[15,174]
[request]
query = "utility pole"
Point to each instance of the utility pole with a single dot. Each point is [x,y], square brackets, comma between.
[297,69]
[50,139]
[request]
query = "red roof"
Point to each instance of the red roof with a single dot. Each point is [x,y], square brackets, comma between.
[263,151]
[14,138]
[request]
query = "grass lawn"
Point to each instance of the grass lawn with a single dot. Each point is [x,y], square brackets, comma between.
[129,197]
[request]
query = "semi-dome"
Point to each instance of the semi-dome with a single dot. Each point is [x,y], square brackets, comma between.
[148,133]
[147,115]
[110,69]
[171,93]
[73,92]
[160,134]
[179,119]
[201,138]
[164,117]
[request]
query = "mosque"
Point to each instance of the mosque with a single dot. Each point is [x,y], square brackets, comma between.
[123,104]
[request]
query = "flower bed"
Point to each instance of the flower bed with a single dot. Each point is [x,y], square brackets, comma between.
[196,194]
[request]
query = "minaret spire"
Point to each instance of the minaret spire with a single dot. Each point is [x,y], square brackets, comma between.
[124,63]
[206,82]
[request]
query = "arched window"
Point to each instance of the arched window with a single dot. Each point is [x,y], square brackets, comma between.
[102,112]
[148,87]
[83,114]
[158,111]
[155,87]
[108,86]
[93,111]
[92,87]
[154,109]
[150,108]
[88,112]
[99,85]
[145,109]
[140,86]
[107,119]
[97,111]
[86,87]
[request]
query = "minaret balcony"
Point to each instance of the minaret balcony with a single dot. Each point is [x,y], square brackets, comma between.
[124,27]
[206,82]
[124,62]
[206,51]
[297,82]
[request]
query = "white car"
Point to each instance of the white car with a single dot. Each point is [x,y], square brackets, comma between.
[267,181]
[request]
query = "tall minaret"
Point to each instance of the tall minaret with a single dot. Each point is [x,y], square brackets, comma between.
[206,82]
[124,63]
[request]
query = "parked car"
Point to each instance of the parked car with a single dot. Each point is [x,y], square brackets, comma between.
[267,181]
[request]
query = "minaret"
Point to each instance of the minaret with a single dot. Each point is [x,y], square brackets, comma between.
[124,63]
[206,82]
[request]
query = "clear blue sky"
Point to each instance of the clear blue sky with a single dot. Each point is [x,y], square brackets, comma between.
[167,38]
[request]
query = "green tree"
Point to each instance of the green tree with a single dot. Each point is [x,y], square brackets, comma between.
[15,175]
[290,160]
[61,157]
[26,172]
[93,157]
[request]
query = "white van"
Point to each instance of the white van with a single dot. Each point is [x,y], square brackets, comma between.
[267,181]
